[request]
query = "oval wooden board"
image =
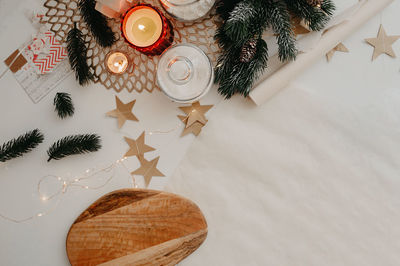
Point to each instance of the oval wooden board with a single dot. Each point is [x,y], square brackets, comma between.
[136,227]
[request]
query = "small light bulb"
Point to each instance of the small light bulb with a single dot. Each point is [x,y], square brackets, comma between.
[40,214]
[141,27]
[44,198]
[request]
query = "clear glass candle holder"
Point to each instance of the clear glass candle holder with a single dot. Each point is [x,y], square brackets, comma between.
[187,10]
[185,73]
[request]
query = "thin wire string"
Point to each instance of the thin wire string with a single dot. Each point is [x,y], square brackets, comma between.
[65,184]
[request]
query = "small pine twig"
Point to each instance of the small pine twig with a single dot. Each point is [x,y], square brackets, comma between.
[77,55]
[74,144]
[97,23]
[23,144]
[63,105]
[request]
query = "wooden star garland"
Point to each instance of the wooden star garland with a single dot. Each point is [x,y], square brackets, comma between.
[195,118]
[382,43]
[339,48]
[298,27]
[137,147]
[195,129]
[148,170]
[196,112]
[123,112]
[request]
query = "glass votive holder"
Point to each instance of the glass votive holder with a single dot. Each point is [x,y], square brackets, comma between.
[117,62]
[185,73]
[187,10]
[147,30]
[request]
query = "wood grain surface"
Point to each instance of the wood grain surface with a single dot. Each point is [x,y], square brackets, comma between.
[136,227]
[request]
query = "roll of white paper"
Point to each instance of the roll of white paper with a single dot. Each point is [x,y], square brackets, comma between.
[279,80]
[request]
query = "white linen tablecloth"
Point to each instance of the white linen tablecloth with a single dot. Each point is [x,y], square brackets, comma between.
[299,181]
[311,178]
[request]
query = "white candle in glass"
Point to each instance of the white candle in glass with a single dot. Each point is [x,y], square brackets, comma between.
[142,26]
[117,62]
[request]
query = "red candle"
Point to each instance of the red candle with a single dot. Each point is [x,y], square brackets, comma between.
[147,30]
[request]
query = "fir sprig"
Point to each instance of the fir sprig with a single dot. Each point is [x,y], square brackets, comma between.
[74,144]
[21,145]
[245,21]
[77,55]
[315,17]
[63,105]
[97,23]
[235,76]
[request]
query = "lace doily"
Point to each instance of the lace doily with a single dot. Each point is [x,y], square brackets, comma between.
[61,14]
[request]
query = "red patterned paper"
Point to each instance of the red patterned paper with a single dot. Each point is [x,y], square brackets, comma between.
[47,52]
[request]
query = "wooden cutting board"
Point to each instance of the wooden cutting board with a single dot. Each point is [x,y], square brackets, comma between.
[136,227]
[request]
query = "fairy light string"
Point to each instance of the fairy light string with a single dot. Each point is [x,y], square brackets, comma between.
[66,183]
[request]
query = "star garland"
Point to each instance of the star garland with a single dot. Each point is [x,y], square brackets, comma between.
[382,43]
[195,118]
[123,112]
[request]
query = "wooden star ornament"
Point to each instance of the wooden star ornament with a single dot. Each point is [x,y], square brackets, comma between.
[137,147]
[195,129]
[383,44]
[298,27]
[339,48]
[196,113]
[148,170]
[123,112]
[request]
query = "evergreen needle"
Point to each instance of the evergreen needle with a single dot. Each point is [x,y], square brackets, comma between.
[77,55]
[63,105]
[74,144]
[23,144]
[244,53]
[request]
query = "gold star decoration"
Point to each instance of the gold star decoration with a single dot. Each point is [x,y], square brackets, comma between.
[196,113]
[339,48]
[299,27]
[148,170]
[195,129]
[137,147]
[123,112]
[382,44]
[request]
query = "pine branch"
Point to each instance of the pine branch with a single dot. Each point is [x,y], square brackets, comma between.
[240,64]
[246,20]
[97,23]
[77,54]
[236,76]
[328,7]
[75,144]
[279,19]
[315,17]
[63,105]
[23,144]
[224,8]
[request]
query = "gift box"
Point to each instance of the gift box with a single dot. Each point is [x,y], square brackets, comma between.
[113,8]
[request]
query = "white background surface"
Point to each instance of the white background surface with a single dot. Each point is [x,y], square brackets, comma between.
[312,177]
[351,83]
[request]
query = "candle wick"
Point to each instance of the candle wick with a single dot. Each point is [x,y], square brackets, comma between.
[141,27]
